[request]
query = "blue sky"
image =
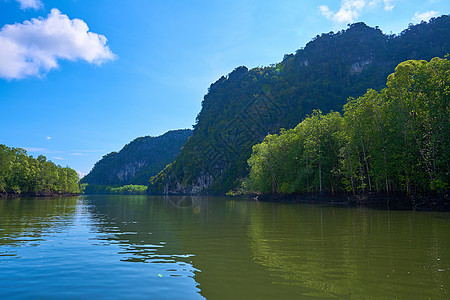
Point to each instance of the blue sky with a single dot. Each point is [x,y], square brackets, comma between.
[79,79]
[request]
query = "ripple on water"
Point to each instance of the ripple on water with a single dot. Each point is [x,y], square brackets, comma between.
[139,247]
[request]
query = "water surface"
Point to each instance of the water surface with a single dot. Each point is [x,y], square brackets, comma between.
[134,247]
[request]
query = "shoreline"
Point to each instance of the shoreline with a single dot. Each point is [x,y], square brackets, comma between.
[397,201]
[9,195]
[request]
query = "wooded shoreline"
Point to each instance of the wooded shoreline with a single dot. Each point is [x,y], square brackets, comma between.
[394,201]
[42,195]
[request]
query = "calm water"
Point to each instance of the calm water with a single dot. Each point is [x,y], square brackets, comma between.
[196,247]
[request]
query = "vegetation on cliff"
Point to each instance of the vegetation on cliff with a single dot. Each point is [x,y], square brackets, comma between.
[395,140]
[21,174]
[139,160]
[241,109]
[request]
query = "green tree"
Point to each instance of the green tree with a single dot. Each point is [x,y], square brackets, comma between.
[23,174]
[397,140]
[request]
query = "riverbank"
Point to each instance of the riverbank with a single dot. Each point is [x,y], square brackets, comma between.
[438,202]
[13,195]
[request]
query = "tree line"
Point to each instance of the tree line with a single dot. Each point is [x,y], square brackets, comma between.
[395,140]
[21,174]
[130,189]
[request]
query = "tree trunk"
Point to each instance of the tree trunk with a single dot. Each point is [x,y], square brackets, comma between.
[320,177]
[367,164]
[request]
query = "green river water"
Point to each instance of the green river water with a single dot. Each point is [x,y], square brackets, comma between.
[146,247]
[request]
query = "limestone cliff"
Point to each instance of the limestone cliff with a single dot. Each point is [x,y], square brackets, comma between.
[139,160]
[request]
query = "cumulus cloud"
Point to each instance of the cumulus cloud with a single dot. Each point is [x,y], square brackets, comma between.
[25,4]
[34,47]
[350,10]
[388,5]
[326,11]
[425,16]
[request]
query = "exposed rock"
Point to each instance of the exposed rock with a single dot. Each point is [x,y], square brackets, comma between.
[139,160]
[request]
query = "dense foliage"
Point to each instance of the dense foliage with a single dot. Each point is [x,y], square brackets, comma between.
[242,108]
[139,160]
[130,189]
[396,140]
[23,174]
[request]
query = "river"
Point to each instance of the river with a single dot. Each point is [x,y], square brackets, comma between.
[146,247]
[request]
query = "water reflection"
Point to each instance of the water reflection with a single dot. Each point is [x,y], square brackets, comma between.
[247,249]
[24,222]
[218,248]
[143,230]
[352,253]
[186,202]
[92,248]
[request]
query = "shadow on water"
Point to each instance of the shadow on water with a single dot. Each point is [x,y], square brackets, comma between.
[353,253]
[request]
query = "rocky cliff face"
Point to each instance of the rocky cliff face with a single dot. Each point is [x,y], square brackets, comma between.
[176,187]
[139,160]
[242,108]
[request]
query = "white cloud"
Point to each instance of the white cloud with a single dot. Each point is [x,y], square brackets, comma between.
[350,10]
[42,150]
[92,151]
[58,158]
[34,47]
[48,138]
[25,4]
[78,154]
[388,5]
[326,11]
[425,16]
[81,174]
[36,149]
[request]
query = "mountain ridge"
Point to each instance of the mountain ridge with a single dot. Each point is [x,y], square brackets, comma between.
[240,109]
[138,160]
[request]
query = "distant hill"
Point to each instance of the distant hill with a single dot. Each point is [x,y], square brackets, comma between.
[139,160]
[241,109]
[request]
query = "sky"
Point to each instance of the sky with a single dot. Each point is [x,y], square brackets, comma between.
[80,79]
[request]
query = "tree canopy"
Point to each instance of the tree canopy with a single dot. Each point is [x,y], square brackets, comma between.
[395,140]
[23,174]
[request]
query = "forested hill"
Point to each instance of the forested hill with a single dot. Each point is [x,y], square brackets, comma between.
[396,141]
[139,160]
[241,109]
